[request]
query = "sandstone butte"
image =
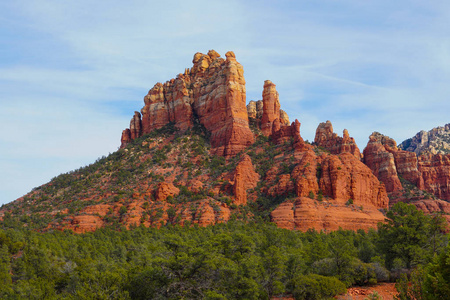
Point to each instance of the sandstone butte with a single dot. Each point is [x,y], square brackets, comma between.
[326,185]
[212,91]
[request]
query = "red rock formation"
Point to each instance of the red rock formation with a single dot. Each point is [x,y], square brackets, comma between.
[136,126]
[326,138]
[406,164]
[433,206]
[245,178]
[435,172]
[340,177]
[85,223]
[305,213]
[165,190]
[382,162]
[344,177]
[271,107]
[282,134]
[284,186]
[212,91]
[126,138]
[387,162]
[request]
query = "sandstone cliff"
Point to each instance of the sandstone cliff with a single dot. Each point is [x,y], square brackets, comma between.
[435,174]
[212,91]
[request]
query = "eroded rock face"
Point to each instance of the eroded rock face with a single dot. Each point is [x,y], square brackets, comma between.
[326,138]
[387,162]
[284,133]
[165,190]
[428,172]
[305,213]
[341,178]
[213,91]
[245,178]
[345,177]
[271,107]
[382,162]
[435,173]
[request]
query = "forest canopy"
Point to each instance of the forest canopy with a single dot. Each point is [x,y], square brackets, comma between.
[235,260]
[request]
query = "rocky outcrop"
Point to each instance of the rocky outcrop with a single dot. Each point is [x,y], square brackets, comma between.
[305,213]
[382,162]
[165,190]
[245,178]
[213,91]
[387,162]
[326,138]
[284,133]
[435,141]
[435,173]
[271,107]
[340,178]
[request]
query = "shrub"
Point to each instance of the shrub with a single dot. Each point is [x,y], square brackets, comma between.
[315,286]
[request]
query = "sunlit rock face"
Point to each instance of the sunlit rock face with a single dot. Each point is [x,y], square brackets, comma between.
[212,92]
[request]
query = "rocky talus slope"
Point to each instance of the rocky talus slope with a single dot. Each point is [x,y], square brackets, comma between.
[196,154]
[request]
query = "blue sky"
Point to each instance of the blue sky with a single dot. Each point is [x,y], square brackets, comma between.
[73,72]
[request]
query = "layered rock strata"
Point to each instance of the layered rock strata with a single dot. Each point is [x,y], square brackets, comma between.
[305,213]
[271,107]
[435,174]
[331,191]
[387,162]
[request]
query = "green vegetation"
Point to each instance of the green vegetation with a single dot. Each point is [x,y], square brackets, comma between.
[236,260]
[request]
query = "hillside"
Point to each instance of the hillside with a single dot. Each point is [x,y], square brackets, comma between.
[197,154]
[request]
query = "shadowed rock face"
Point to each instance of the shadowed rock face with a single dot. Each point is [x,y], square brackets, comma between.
[213,91]
[331,192]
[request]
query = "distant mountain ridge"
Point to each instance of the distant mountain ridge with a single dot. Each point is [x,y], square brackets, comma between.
[434,141]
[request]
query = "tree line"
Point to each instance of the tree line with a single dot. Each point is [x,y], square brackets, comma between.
[236,260]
